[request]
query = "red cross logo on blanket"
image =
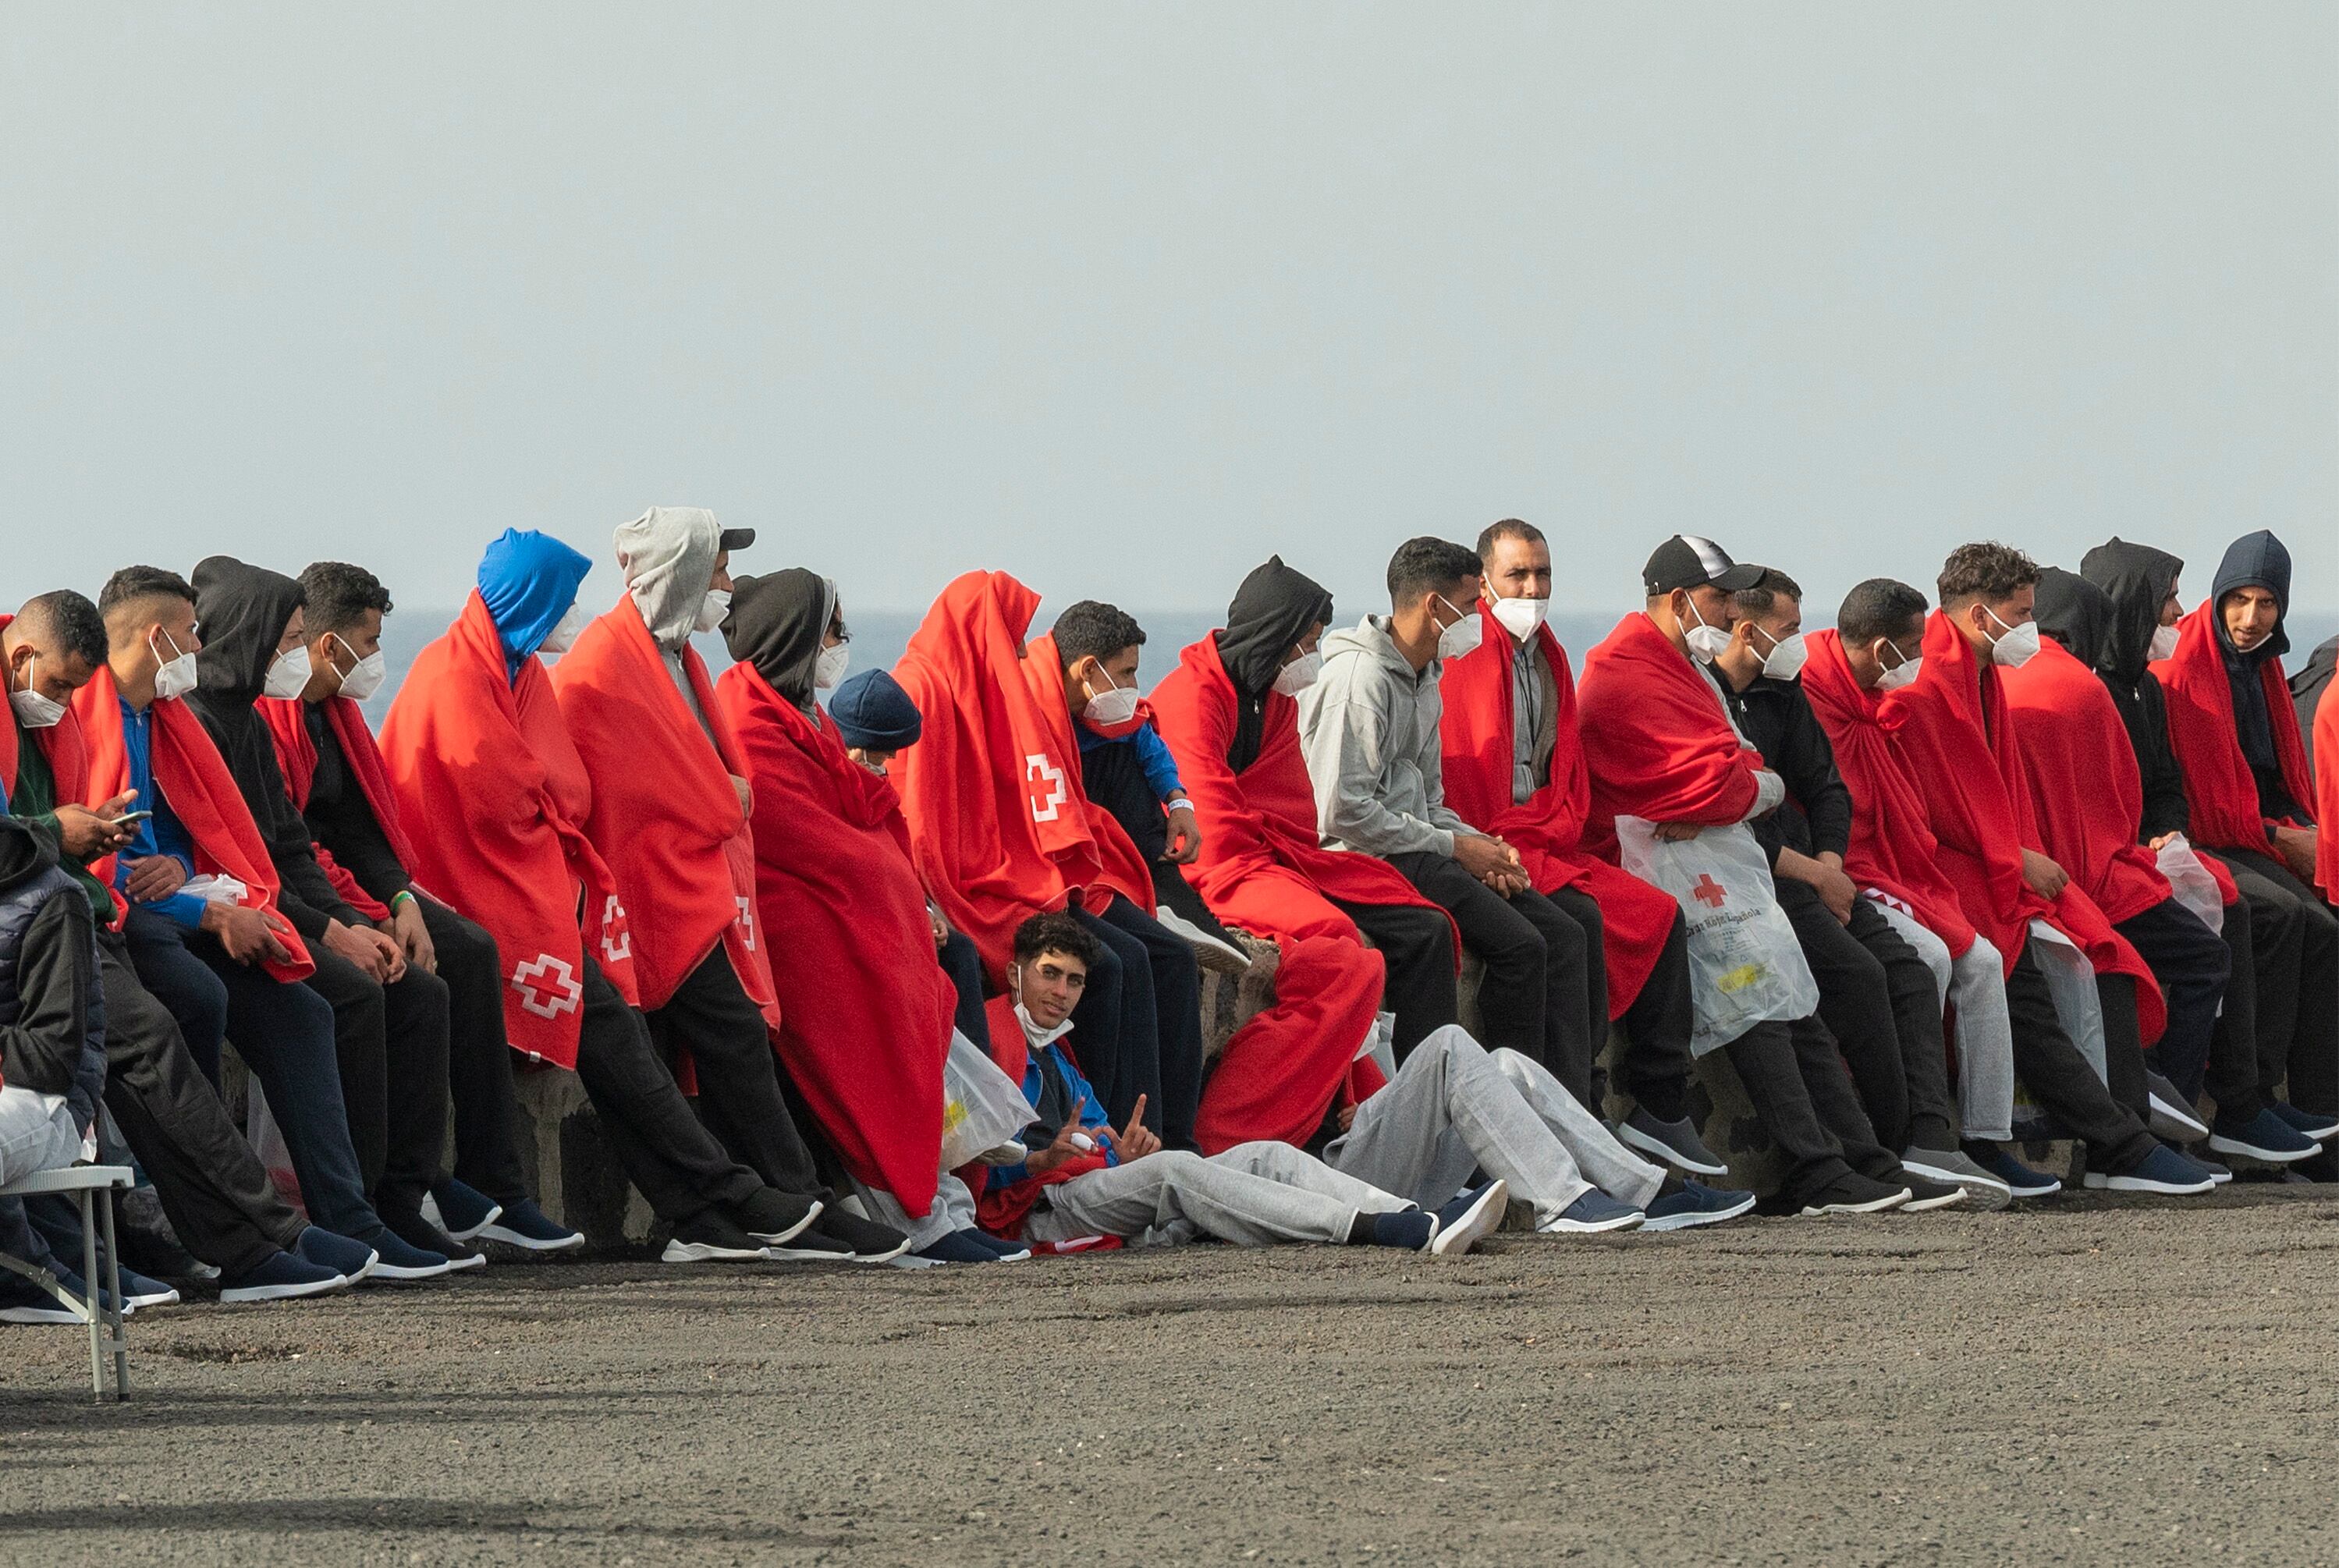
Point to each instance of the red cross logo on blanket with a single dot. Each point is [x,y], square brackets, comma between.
[1709,891]
[561,994]
[616,936]
[1044,782]
[746,920]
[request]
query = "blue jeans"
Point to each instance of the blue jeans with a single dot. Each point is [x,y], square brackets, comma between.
[285,1032]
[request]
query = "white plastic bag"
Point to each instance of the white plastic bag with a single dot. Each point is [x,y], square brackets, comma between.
[268,1142]
[982,1107]
[2190,880]
[1745,966]
[2071,980]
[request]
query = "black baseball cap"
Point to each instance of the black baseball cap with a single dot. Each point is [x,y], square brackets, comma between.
[737,538]
[1688,561]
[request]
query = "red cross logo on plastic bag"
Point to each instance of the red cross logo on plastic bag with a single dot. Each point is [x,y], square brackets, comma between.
[548,1001]
[1709,891]
[1044,782]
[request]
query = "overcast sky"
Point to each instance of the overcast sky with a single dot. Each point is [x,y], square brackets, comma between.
[1122,298]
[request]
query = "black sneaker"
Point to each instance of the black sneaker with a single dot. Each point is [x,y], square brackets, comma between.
[1852,1193]
[522,1224]
[421,1235]
[2316,1125]
[1927,1195]
[709,1236]
[461,1211]
[839,1237]
[772,1217]
[280,1277]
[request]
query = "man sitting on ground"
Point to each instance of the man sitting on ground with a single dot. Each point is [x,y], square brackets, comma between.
[1088,1178]
[1661,748]
[333,775]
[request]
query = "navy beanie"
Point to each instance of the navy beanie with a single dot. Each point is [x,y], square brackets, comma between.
[872,710]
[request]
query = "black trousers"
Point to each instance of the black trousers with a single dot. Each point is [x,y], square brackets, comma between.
[2059,1078]
[391,1043]
[1880,1001]
[479,1054]
[2191,964]
[739,1096]
[1802,1096]
[2299,1019]
[1416,947]
[2231,1075]
[1150,1011]
[285,1032]
[962,963]
[211,1184]
[1533,998]
[680,1169]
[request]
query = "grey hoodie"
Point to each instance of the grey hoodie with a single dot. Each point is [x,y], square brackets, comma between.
[667,554]
[1368,727]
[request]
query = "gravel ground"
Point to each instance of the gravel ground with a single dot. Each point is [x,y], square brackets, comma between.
[2091,1381]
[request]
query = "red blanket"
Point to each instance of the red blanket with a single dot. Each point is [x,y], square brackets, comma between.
[864,1010]
[296,757]
[1892,848]
[1944,723]
[1262,867]
[2086,794]
[991,790]
[493,797]
[191,776]
[674,833]
[1282,1069]
[2326,797]
[2219,788]
[1476,734]
[1657,739]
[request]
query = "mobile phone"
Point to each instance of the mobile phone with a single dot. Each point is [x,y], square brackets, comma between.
[129,819]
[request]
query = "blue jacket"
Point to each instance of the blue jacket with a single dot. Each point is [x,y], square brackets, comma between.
[1152,755]
[1091,1113]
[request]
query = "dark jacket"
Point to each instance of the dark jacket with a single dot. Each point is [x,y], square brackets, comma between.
[2307,688]
[52,1018]
[243,611]
[2257,561]
[2138,579]
[1777,720]
[340,818]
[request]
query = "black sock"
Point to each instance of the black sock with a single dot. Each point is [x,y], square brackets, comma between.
[1360,1230]
[1930,1132]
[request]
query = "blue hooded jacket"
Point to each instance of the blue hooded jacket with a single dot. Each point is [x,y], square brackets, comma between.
[528,580]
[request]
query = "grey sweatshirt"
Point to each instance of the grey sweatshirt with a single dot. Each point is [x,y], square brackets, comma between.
[1370,729]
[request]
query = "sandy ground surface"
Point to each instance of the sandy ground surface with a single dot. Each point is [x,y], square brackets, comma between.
[2096,1381]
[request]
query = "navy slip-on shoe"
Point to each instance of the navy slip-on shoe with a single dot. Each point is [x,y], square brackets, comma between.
[2265,1137]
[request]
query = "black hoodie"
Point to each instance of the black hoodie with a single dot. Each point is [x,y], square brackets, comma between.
[2306,689]
[2138,579]
[2256,561]
[243,611]
[56,1042]
[1272,610]
[776,625]
[2076,613]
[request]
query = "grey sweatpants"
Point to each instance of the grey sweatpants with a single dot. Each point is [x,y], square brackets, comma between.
[1253,1195]
[1455,1108]
[952,1210]
[1975,984]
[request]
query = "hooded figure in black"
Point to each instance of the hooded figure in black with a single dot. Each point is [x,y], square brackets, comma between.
[2138,580]
[390,1022]
[2257,561]
[1273,609]
[2306,689]
[777,623]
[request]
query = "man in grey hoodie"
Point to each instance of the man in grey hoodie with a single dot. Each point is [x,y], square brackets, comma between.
[1369,728]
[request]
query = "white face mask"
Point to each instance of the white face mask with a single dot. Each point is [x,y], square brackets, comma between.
[1463,637]
[1786,659]
[563,634]
[1899,674]
[365,676]
[1116,705]
[1520,617]
[712,610]
[1300,674]
[2163,644]
[288,674]
[2014,649]
[1034,1037]
[173,676]
[1706,644]
[830,667]
[34,710]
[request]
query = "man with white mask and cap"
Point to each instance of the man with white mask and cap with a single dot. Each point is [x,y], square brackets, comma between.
[1369,727]
[670,813]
